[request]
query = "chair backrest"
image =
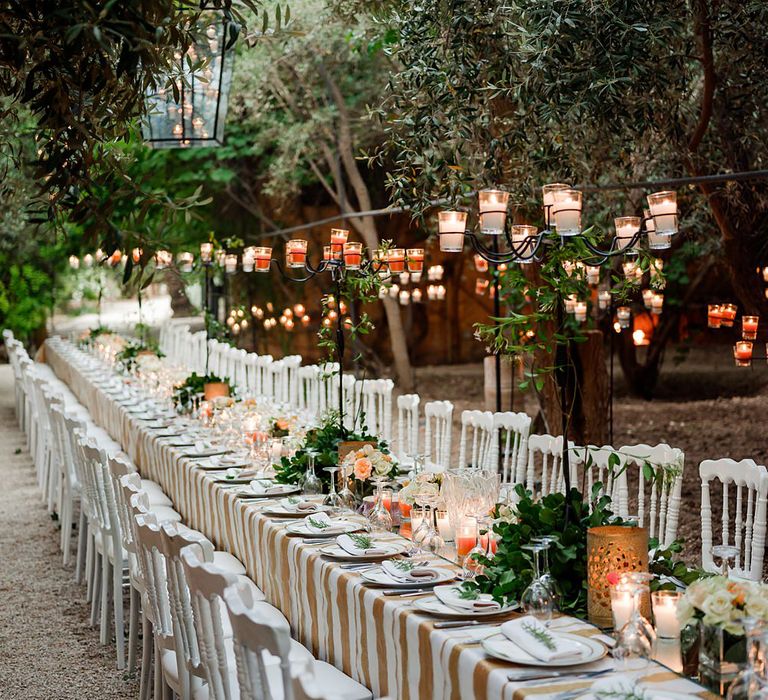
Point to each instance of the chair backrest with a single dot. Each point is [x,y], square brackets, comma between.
[655,475]
[60,442]
[291,381]
[476,442]
[309,388]
[605,465]
[373,399]
[253,635]
[150,553]
[407,425]
[206,584]
[438,433]
[511,432]
[749,528]
[544,473]
[329,388]
[119,469]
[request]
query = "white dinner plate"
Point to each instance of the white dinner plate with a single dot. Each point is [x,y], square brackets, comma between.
[379,577]
[434,607]
[221,479]
[281,512]
[338,527]
[333,551]
[285,490]
[650,691]
[499,647]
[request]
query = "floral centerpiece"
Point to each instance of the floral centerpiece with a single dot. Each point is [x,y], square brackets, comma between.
[136,349]
[720,605]
[194,385]
[368,462]
[423,484]
[279,427]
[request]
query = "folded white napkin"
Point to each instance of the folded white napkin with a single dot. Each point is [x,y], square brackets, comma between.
[318,522]
[544,644]
[202,445]
[401,569]
[351,547]
[295,504]
[260,486]
[450,595]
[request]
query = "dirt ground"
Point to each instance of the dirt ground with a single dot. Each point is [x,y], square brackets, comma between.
[705,406]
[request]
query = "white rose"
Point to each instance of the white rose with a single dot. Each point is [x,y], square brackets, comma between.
[718,609]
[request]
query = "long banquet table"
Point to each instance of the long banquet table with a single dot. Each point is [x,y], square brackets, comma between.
[382,642]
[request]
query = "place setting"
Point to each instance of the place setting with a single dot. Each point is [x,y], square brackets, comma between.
[361,547]
[296,507]
[264,488]
[321,525]
[407,574]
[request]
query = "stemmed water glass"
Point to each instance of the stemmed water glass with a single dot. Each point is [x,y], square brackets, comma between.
[380,518]
[546,577]
[332,500]
[486,494]
[346,494]
[751,682]
[634,648]
[727,554]
[538,599]
[311,484]
[426,535]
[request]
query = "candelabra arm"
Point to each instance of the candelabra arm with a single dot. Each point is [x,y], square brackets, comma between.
[312,271]
[526,251]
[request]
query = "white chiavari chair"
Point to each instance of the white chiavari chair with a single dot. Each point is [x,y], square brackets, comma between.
[743,516]
[544,472]
[258,637]
[373,399]
[658,498]
[309,389]
[477,428]
[438,434]
[407,430]
[329,390]
[605,465]
[510,432]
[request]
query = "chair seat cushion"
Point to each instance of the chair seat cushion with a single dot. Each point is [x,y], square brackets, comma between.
[155,493]
[228,563]
[166,514]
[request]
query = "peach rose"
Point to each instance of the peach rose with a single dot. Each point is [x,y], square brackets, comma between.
[281,424]
[363,468]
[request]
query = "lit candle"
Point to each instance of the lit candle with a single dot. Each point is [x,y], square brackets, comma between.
[74,262]
[184,261]
[416,296]
[629,267]
[749,327]
[481,264]
[163,258]
[435,272]
[728,314]
[523,242]
[714,317]
[567,212]
[405,297]
[593,274]
[136,254]
[466,537]
[404,277]
[440,291]
[338,239]
[604,299]
[626,228]
[396,260]
[548,195]
[480,286]
[742,352]
[647,296]
[765,274]
[570,304]
[623,314]
[305,320]
[296,253]
[493,211]
[275,451]
[405,510]
[230,263]
[416,277]
[657,303]
[580,311]
[249,257]
[444,526]
[299,309]
[353,255]
[380,263]
[451,226]
[394,290]
[663,208]
[263,257]
[665,613]
[206,252]
[622,605]
[88,260]
[415,259]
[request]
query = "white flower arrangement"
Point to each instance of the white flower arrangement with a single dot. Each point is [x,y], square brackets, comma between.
[367,462]
[423,484]
[723,602]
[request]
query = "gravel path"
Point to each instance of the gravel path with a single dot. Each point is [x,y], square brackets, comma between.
[47,648]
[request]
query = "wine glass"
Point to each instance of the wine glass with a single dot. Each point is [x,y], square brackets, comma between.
[380,518]
[332,500]
[426,535]
[486,495]
[633,648]
[346,494]
[537,599]
[311,484]
[748,682]
[546,541]
[727,554]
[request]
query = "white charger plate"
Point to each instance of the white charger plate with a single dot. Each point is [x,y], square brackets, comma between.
[499,647]
[285,490]
[379,577]
[282,512]
[433,606]
[339,527]
[337,553]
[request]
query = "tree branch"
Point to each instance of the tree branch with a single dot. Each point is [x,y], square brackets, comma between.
[703,28]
